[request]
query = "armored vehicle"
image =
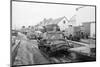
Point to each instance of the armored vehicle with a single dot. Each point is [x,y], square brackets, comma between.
[54,45]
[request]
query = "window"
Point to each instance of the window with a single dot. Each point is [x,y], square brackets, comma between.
[70,25]
[64,21]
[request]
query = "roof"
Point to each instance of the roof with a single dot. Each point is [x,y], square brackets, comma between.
[52,21]
[88,22]
[56,21]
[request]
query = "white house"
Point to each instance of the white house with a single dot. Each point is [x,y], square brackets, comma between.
[62,22]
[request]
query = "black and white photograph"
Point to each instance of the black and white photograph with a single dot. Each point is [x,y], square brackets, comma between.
[52,33]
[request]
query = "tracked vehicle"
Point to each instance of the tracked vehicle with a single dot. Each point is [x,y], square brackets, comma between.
[53,44]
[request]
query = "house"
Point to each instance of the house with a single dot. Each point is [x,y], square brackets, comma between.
[89,27]
[71,30]
[62,22]
[72,20]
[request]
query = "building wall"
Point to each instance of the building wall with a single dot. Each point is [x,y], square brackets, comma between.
[72,30]
[63,25]
[76,28]
[87,27]
[92,30]
[69,31]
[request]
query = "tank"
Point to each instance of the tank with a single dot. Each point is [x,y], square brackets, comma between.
[53,44]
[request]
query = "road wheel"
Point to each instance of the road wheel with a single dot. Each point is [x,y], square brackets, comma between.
[73,56]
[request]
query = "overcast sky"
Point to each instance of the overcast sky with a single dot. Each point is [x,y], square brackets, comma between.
[25,13]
